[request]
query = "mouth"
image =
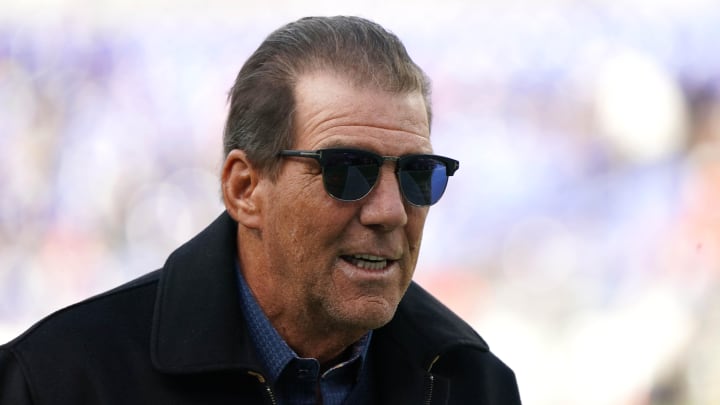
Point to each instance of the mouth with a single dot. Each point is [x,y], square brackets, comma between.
[368,262]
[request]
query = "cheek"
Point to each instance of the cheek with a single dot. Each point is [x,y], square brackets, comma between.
[415,226]
[303,220]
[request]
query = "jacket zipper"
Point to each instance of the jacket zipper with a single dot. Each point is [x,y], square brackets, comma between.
[266,386]
[429,389]
[430,382]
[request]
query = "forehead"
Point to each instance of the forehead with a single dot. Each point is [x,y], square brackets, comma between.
[329,107]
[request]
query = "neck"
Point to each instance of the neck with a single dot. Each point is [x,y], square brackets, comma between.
[310,340]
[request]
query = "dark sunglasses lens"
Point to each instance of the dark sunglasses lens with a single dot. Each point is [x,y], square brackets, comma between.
[423,180]
[349,175]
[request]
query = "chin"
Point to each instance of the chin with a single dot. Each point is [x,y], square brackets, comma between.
[372,315]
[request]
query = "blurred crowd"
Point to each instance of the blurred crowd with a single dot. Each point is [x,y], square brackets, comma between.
[581,235]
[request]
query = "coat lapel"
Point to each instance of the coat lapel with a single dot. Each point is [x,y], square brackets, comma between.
[405,350]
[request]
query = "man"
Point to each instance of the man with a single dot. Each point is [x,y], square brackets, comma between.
[301,292]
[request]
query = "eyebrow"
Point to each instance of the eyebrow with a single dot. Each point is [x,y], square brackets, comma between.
[340,144]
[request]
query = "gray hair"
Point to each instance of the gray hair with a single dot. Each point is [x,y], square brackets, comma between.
[262,102]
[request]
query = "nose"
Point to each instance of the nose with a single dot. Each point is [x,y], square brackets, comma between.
[384,207]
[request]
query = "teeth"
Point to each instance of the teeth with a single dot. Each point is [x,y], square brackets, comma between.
[368,262]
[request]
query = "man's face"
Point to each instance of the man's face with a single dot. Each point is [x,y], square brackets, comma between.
[326,256]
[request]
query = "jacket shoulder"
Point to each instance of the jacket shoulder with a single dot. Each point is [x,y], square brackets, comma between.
[74,343]
[120,308]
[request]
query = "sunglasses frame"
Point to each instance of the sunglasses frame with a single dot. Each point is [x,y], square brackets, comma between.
[451,166]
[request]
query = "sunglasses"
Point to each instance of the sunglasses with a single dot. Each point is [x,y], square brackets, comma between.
[350,174]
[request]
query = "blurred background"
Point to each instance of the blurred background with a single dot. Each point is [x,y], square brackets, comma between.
[581,236]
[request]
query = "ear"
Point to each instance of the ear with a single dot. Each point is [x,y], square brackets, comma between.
[240,181]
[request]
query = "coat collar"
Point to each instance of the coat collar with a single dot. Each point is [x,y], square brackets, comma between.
[422,332]
[198,324]
[428,329]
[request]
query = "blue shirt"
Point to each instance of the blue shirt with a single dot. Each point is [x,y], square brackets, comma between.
[297,380]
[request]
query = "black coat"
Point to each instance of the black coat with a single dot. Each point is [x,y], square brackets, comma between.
[176,336]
